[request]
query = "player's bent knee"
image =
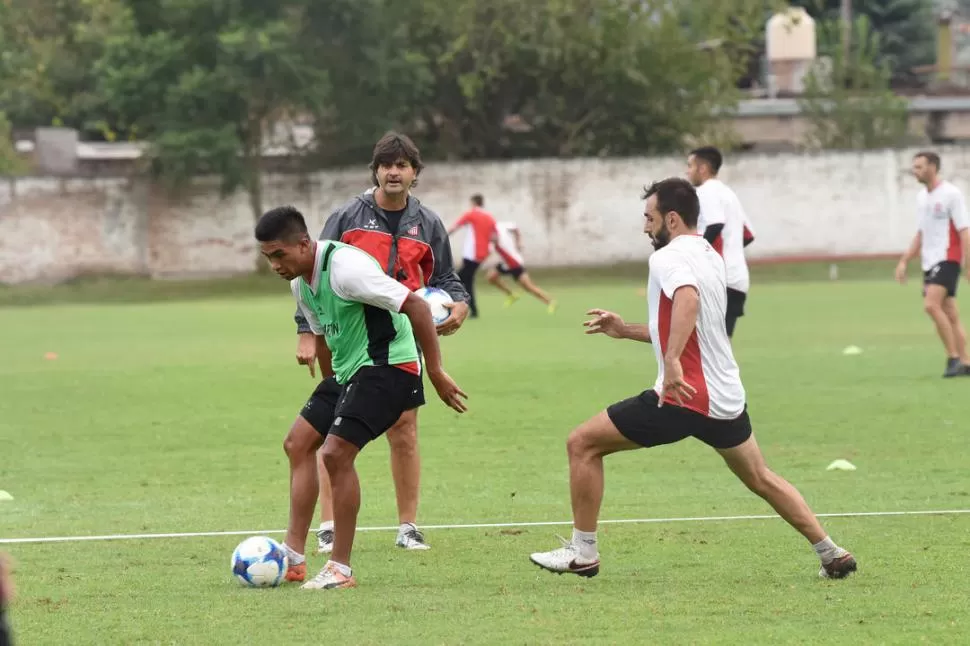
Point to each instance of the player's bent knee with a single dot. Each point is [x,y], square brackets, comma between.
[404,434]
[338,454]
[302,440]
[596,436]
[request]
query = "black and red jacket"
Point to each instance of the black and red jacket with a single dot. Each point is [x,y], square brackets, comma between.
[417,254]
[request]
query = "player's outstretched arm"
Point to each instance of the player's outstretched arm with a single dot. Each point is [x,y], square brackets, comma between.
[417,310]
[910,253]
[612,325]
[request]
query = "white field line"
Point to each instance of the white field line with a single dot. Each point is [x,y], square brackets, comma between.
[631,521]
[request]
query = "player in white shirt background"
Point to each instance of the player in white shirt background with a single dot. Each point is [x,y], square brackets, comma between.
[724,224]
[942,242]
[508,246]
[698,392]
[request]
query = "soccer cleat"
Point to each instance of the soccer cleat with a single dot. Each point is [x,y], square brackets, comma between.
[412,539]
[953,368]
[296,573]
[329,578]
[510,300]
[324,541]
[838,568]
[566,559]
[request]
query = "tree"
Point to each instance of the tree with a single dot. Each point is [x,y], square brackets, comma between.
[574,77]
[203,82]
[10,162]
[906,29]
[48,49]
[848,102]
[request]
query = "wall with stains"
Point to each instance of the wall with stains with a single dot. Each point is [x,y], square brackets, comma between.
[570,212]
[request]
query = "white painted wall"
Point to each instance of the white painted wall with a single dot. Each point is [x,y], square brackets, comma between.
[571,212]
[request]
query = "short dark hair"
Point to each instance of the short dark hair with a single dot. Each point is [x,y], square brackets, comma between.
[709,155]
[678,195]
[478,200]
[931,157]
[283,224]
[392,147]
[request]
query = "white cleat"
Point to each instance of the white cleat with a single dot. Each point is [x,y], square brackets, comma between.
[566,559]
[412,539]
[324,541]
[329,578]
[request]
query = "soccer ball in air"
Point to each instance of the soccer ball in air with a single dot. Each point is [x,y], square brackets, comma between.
[259,562]
[436,299]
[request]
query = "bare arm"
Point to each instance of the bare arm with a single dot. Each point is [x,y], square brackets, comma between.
[637,332]
[324,357]
[965,241]
[911,252]
[612,325]
[683,320]
[418,312]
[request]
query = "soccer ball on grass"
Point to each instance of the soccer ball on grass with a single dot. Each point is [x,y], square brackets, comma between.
[259,562]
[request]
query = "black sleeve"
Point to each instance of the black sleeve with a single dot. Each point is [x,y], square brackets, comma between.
[712,232]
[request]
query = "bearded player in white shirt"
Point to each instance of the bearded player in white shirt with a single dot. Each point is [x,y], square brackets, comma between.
[698,392]
[723,223]
[942,241]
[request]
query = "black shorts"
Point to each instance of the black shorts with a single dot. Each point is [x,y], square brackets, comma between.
[945,274]
[735,308]
[5,638]
[373,400]
[515,272]
[640,420]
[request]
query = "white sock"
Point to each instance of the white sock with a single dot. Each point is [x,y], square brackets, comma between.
[294,557]
[586,542]
[827,550]
[326,525]
[340,567]
[406,527]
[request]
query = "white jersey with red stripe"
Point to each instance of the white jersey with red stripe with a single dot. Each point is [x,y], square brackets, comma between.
[506,247]
[720,205]
[942,215]
[708,361]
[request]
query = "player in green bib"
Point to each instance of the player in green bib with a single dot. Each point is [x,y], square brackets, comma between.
[368,328]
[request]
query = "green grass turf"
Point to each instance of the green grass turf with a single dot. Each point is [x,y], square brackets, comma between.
[169,416]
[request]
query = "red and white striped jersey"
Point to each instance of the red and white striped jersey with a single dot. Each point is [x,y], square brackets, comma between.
[707,360]
[506,247]
[942,215]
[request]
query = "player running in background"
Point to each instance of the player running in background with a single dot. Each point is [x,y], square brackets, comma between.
[724,224]
[508,245]
[410,242]
[942,241]
[698,392]
[478,239]
[365,325]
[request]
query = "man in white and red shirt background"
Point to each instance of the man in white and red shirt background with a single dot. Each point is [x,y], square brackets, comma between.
[698,391]
[724,224]
[478,243]
[942,241]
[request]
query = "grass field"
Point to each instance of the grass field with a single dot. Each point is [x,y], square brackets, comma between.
[168,416]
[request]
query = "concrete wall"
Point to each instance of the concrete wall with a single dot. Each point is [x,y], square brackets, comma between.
[571,212]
